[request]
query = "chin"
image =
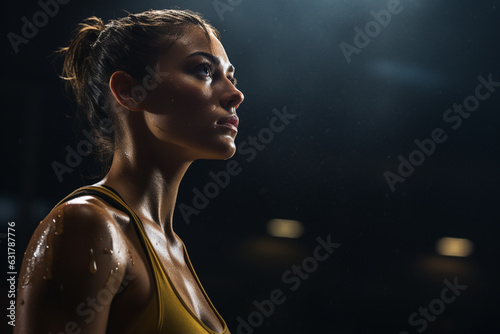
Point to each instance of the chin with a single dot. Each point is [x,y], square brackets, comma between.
[229,156]
[229,153]
[222,151]
[231,150]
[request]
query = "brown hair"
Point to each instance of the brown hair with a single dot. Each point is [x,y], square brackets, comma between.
[130,44]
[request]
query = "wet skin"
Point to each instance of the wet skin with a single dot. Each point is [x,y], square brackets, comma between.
[85,246]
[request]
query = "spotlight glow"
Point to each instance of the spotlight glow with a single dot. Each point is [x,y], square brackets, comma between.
[285,228]
[454,247]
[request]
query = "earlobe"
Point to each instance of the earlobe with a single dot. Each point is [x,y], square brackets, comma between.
[121,85]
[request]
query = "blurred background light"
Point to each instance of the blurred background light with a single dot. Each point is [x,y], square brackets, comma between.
[285,228]
[406,73]
[454,247]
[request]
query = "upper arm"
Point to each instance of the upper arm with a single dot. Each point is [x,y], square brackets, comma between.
[66,275]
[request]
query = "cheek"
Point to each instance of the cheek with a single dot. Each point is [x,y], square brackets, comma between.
[174,110]
[181,93]
[185,100]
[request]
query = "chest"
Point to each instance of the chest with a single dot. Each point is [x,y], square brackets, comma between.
[172,256]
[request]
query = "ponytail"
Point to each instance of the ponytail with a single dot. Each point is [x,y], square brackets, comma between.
[84,77]
[79,56]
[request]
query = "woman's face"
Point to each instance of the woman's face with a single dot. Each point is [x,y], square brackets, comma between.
[192,112]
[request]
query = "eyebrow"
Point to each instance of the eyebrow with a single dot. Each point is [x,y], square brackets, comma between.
[211,57]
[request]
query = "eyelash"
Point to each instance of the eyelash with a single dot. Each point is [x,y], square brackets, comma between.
[205,66]
[208,66]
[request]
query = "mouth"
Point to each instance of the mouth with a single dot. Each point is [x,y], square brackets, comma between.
[230,122]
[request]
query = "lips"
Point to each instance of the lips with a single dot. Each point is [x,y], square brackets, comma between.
[230,122]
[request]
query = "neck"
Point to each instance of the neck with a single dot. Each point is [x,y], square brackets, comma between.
[149,189]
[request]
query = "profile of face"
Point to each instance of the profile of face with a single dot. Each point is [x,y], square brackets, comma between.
[192,111]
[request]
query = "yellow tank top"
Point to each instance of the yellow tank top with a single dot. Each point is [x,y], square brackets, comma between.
[173,316]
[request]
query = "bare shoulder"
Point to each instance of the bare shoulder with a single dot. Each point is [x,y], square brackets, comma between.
[87,215]
[84,230]
[71,257]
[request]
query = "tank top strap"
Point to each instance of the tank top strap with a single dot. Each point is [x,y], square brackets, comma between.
[99,191]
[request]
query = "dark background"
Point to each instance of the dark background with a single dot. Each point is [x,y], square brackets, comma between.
[325,169]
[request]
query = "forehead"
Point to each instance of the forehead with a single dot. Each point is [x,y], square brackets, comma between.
[194,40]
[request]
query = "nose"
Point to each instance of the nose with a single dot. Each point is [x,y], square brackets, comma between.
[232,98]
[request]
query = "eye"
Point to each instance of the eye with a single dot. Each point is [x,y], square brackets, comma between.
[205,70]
[233,80]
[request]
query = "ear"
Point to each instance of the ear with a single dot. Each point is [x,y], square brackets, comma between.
[124,89]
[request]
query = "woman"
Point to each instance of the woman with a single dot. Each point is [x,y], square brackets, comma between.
[106,258]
